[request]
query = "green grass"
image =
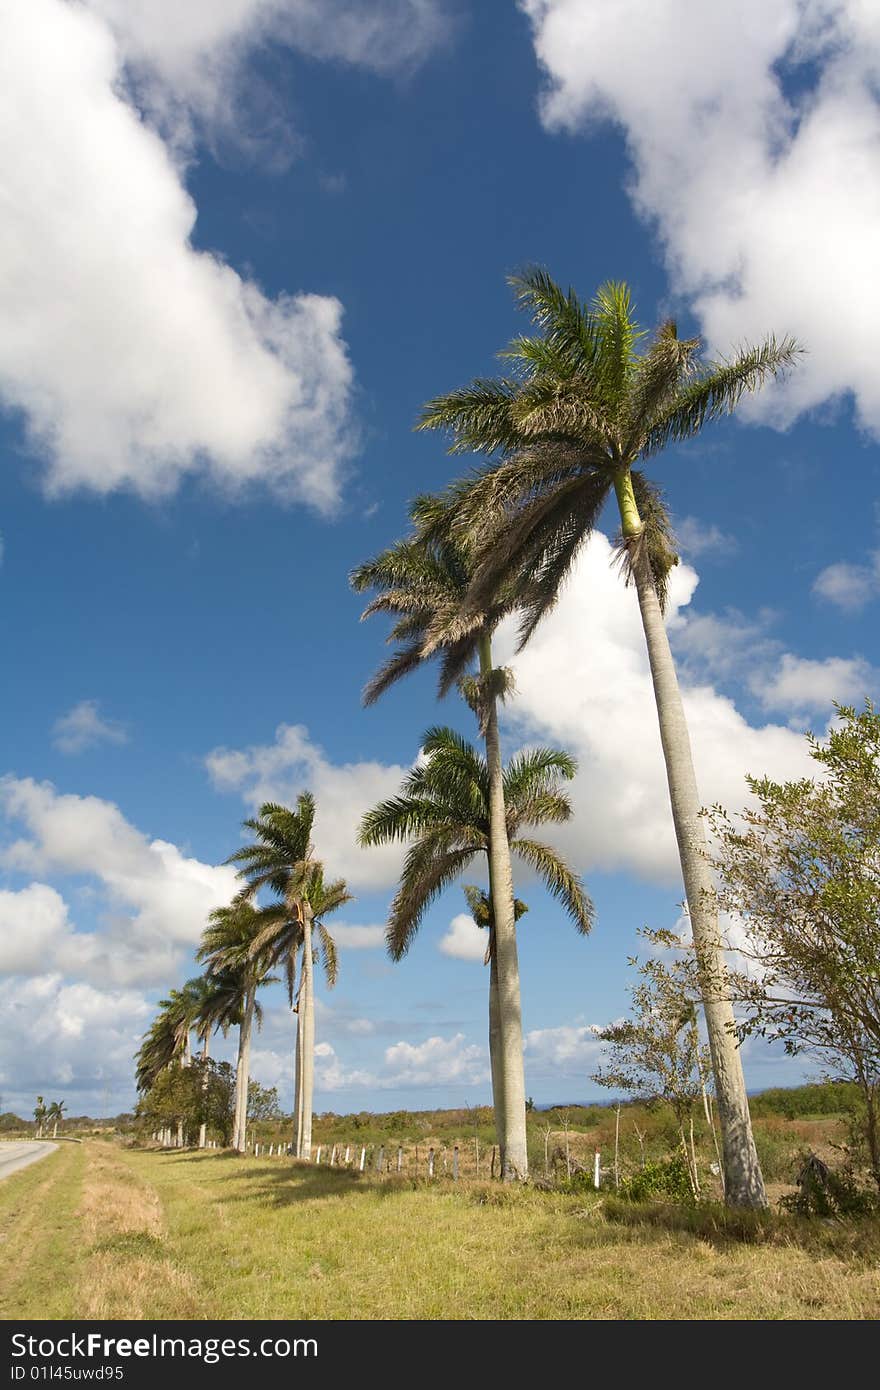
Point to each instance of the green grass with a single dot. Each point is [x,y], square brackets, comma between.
[106,1232]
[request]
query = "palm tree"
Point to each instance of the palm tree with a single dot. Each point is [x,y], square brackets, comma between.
[283,939]
[164,1044]
[40,1115]
[444,811]
[55,1113]
[239,971]
[282,859]
[423,582]
[588,402]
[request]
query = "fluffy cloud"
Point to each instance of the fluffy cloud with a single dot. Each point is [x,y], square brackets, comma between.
[849,587]
[68,1041]
[134,358]
[464,940]
[570,1050]
[36,934]
[280,770]
[754,131]
[153,899]
[83,727]
[583,683]
[802,685]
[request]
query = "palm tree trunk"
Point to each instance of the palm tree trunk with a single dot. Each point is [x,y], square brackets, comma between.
[203,1127]
[297,1081]
[743,1182]
[307,1035]
[512,1139]
[239,1136]
[495,1043]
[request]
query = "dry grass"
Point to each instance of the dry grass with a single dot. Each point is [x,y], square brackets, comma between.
[216,1236]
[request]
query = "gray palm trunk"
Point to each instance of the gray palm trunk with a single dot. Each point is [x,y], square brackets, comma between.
[512,1139]
[239,1134]
[203,1126]
[306,1037]
[743,1182]
[495,1043]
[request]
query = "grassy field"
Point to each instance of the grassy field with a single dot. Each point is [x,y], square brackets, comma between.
[100,1231]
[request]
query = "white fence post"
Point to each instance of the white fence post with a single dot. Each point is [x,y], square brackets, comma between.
[399,1159]
[363,1157]
[596,1169]
[430,1163]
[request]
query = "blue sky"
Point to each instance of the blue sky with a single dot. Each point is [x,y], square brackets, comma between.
[240,248]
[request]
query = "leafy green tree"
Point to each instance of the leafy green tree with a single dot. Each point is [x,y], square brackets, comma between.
[443,810]
[422,582]
[263,1102]
[191,1097]
[800,869]
[588,404]
[230,949]
[281,859]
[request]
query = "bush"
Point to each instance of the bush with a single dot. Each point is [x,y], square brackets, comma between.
[664,1181]
[824,1192]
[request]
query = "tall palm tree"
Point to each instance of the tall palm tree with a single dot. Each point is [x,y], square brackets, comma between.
[282,859]
[589,400]
[40,1115]
[422,582]
[444,811]
[227,950]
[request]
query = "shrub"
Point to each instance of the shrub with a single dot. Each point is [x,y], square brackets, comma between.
[664,1181]
[824,1192]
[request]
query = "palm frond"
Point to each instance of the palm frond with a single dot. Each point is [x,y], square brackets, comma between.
[476,416]
[564,885]
[718,390]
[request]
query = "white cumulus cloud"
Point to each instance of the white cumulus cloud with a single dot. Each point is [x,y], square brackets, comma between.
[133,357]
[464,940]
[153,894]
[583,684]
[343,792]
[753,130]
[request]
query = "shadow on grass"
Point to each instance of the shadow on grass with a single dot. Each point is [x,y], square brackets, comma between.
[856,1240]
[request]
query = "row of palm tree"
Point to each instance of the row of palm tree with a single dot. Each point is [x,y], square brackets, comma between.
[590,399]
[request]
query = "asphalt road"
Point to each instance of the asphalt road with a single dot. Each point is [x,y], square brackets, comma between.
[21,1153]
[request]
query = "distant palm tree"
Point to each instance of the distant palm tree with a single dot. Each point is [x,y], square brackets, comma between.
[227,948]
[443,811]
[40,1115]
[281,859]
[55,1113]
[585,406]
[423,582]
[284,941]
